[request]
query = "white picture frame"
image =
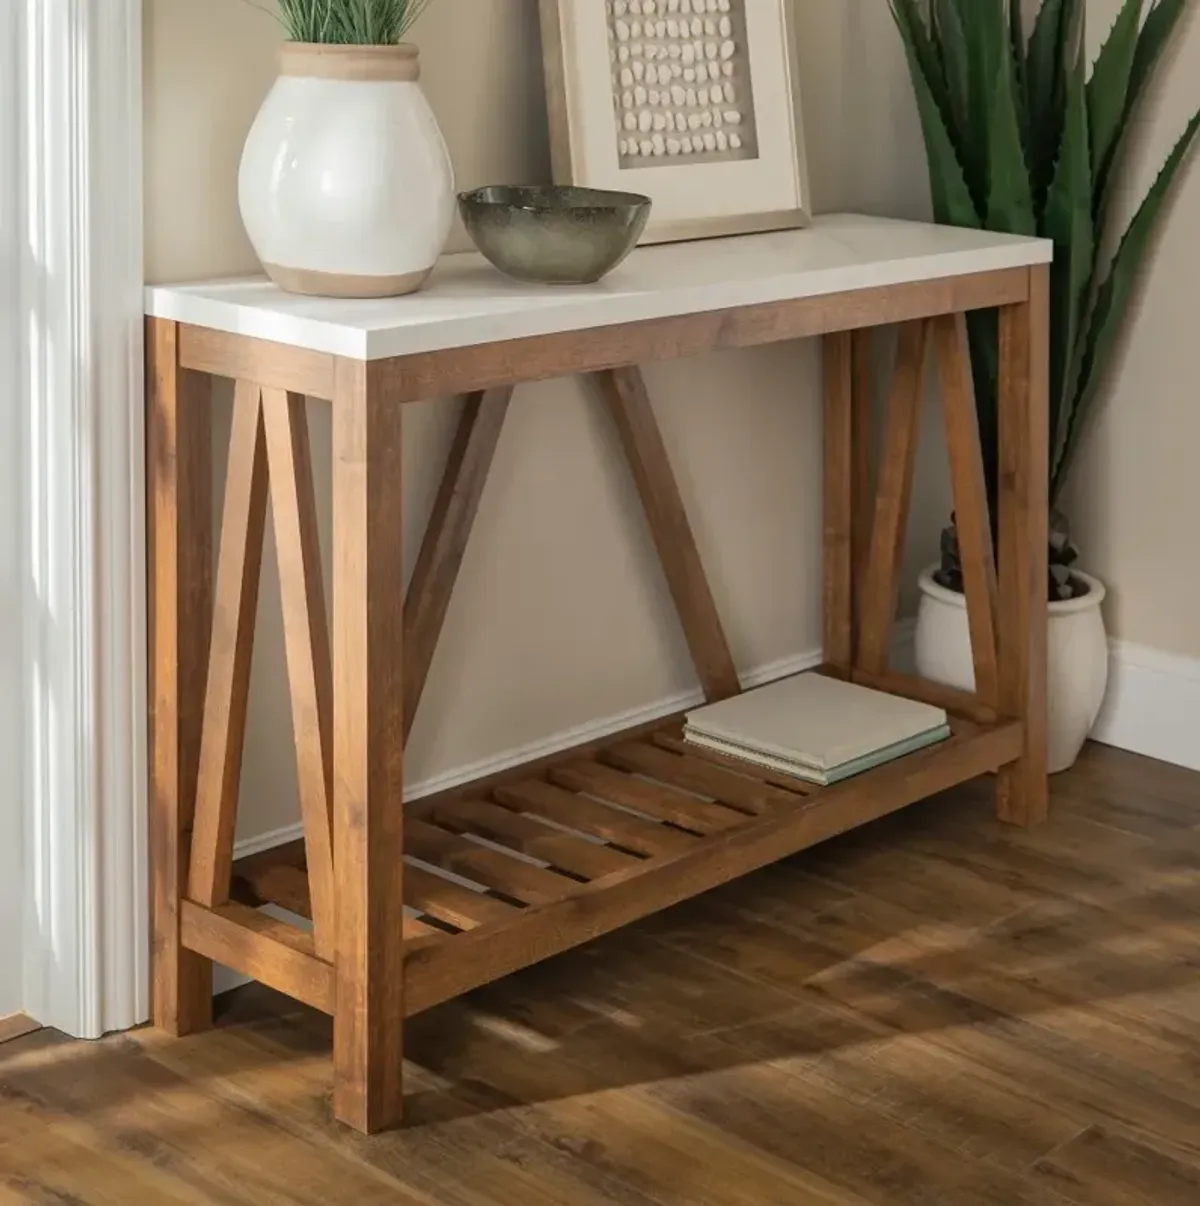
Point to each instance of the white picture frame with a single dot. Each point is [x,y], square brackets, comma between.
[747,174]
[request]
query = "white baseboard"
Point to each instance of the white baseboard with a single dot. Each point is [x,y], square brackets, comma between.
[556,742]
[1153,704]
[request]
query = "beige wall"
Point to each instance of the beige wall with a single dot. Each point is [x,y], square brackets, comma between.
[561,615]
[1135,497]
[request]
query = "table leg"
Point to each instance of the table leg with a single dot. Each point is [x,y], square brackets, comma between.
[368,751]
[180,543]
[1022,789]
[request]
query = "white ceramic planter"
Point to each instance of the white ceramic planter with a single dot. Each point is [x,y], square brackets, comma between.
[346,187]
[1077,659]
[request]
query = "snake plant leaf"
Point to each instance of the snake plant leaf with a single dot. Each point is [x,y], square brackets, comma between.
[1108,89]
[1010,199]
[923,54]
[1016,36]
[1113,298]
[1068,221]
[1159,25]
[1156,33]
[956,62]
[1045,88]
[952,200]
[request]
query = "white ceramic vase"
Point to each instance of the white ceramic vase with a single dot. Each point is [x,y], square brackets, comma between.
[346,187]
[1077,659]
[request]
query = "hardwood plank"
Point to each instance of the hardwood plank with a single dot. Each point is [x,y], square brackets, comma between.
[695,774]
[15,1026]
[368,750]
[1023,790]
[624,391]
[179,615]
[455,905]
[590,816]
[654,799]
[271,365]
[971,510]
[306,635]
[838,538]
[235,617]
[501,872]
[461,370]
[449,530]
[672,739]
[881,589]
[258,946]
[588,860]
[1102,1167]
[598,908]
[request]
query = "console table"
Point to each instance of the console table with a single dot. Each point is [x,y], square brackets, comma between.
[388,938]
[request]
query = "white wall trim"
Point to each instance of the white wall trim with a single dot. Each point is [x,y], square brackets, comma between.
[555,743]
[81,280]
[1153,704]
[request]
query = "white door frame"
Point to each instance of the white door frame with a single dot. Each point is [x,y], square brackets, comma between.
[79,304]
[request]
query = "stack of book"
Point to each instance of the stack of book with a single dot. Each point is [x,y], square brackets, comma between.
[816,728]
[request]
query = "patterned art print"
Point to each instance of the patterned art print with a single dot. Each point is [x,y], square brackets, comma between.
[682,91]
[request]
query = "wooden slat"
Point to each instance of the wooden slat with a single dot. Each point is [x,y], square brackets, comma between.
[278,877]
[501,872]
[957,703]
[306,634]
[445,542]
[838,541]
[425,375]
[590,816]
[694,774]
[235,616]
[657,800]
[368,750]
[672,739]
[1023,794]
[860,524]
[972,515]
[272,365]
[272,952]
[449,902]
[881,590]
[519,832]
[436,974]
[624,391]
[179,614]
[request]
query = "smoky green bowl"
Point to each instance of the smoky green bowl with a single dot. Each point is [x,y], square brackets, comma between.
[554,234]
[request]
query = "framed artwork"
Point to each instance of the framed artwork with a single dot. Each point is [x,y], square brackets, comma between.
[691,102]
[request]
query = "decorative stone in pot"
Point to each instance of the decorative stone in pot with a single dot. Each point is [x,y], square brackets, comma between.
[346,186]
[1077,659]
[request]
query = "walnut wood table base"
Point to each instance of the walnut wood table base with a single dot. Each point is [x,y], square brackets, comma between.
[390,938]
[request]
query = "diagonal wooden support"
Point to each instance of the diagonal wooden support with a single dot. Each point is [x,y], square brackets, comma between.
[306,635]
[972,516]
[861,456]
[897,462]
[837,599]
[624,390]
[446,537]
[234,616]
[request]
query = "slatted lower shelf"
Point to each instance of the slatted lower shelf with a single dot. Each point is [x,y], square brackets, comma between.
[506,872]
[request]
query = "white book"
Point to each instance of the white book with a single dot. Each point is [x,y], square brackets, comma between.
[819,723]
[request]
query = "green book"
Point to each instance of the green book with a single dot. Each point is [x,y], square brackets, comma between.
[820,729]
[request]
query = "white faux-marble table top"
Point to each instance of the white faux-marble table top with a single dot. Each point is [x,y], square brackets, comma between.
[468,302]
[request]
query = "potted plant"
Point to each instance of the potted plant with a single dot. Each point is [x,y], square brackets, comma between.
[346,188]
[1019,139]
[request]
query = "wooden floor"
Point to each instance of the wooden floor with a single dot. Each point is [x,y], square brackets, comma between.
[935,1009]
